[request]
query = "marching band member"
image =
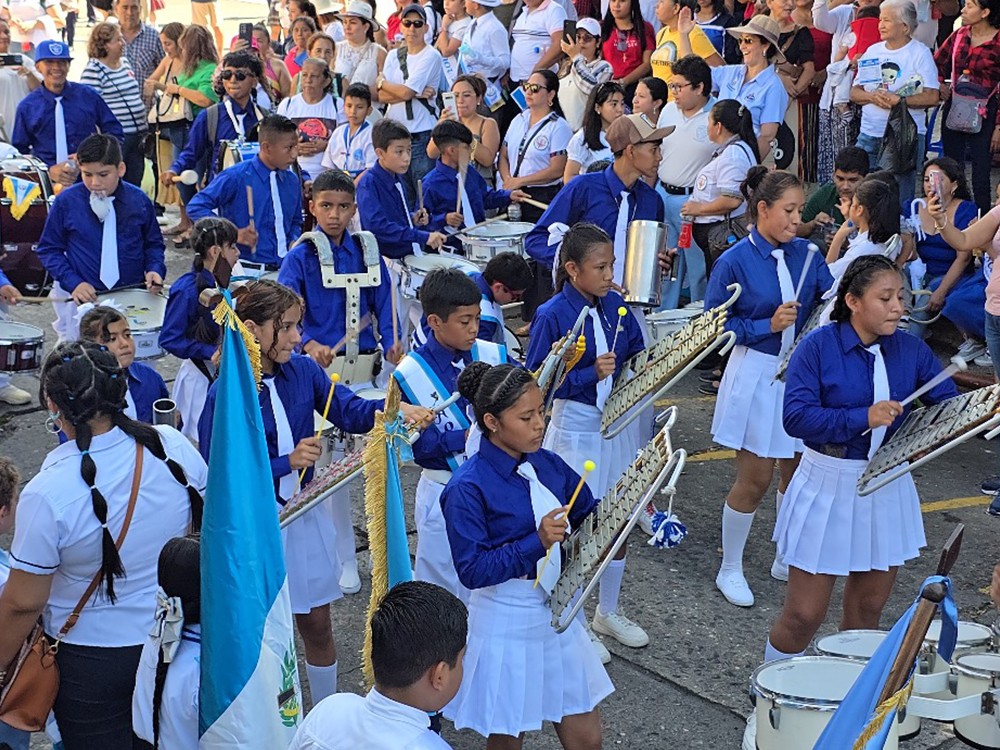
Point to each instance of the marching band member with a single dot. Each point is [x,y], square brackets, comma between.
[327,320]
[843,379]
[294,387]
[503,509]
[100,234]
[275,221]
[585,276]
[765,320]
[427,377]
[189,331]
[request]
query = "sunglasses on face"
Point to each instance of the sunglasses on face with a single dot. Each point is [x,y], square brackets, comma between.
[239,75]
[583,38]
[534,88]
[417,24]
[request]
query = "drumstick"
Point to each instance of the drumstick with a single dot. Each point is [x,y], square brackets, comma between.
[588,466]
[957,364]
[420,196]
[813,249]
[43,300]
[463,168]
[498,217]
[334,379]
[395,320]
[536,204]
[187,177]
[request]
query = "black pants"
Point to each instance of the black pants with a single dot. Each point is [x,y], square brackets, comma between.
[69,30]
[699,233]
[94,705]
[974,147]
[541,291]
[134,158]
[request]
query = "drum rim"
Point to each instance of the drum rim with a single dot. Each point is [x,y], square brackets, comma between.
[458,261]
[800,702]
[966,644]
[978,672]
[37,339]
[474,234]
[860,631]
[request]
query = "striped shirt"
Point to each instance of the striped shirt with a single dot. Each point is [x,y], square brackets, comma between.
[121,91]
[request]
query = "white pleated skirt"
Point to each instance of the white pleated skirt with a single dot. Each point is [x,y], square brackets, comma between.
[434,562]
[574,432]
[518,671]
[748,408]
[311,560]
[825,527]
[190,392]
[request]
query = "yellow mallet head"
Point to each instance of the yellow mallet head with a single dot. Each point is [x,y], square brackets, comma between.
[622,312]
[589,466]
[334,377]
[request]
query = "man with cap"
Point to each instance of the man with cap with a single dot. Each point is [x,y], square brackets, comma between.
[53,119]
[485,49]
[612,198]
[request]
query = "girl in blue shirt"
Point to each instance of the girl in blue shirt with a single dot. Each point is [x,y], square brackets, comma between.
[767,265]
[504,507]
[846,378]
[586,270]
[189,332]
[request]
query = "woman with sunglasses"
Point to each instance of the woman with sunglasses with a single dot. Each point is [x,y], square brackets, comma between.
[584,69]
[756,84]
[589,145]
[627,42]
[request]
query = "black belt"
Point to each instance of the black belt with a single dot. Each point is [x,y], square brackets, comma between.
[674,190]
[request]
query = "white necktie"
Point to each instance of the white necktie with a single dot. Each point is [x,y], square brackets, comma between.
[543,502]
[417,250]
[881,383]
[279,216]
[621,232]
[601,342]
[62,150]
[130,405]
[288,483]
[467,214]
[787,295]
[109,247]
[236,120]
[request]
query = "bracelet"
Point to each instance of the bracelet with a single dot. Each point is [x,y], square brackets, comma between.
[940,227]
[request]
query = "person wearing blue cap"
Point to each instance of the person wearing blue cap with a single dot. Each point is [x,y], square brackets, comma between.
[53,119]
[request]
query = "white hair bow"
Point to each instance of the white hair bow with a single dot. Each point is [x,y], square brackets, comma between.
[557,231]
[85,308]
[168,623]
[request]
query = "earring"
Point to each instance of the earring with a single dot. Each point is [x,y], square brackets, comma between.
[53,423]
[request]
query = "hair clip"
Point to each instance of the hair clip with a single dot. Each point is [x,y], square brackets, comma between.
[67,358]
[84,453]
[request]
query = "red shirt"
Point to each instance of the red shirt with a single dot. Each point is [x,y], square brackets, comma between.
[621,49]
[982,61]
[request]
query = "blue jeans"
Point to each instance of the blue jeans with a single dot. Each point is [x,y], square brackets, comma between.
[907,182]
[690,268]
[16,738]
[420,163]
[993,341]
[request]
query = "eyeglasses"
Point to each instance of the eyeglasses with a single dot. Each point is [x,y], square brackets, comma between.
[677,87]
[418,24]
[533,88]
[583,38]
[239,75]
[747,40]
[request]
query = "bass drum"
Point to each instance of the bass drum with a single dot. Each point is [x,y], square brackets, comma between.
[25,196]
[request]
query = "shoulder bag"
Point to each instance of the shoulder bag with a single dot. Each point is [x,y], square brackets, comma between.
[968,100]
[726,233]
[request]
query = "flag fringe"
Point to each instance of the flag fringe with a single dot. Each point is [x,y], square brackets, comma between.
[225,315]
[892,703]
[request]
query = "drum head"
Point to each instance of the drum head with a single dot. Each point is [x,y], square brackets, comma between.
[851,644]
[429,262]
[980,664]
[502,229]
[144,310]
[816,681]
[13,333]
[969,633]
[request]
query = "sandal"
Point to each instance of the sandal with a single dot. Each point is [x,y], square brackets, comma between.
[710,388]
[176,229]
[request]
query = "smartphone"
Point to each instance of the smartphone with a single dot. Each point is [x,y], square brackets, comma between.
[448,100]
[11,60]
[246,32]
[934,177]
[569,31]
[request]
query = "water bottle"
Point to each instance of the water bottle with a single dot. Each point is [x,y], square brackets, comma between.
[684,239]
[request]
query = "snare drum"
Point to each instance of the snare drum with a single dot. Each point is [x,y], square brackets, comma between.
[144,312]
[971,637]
[978,674]
[483,243]
[335,442]
[25,196]
[235,152]
[795,698]
[665,322]
[20,347]
[416,267]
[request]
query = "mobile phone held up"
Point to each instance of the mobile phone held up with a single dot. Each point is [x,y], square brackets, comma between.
[246,33]
[448,100]
[11,60]
[936,188]
[569,31]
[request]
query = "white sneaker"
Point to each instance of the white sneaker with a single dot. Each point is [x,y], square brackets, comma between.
[602,651]
[619,627]
[646,518]
[350,581]
[970,349]
[11,394]
[750,733]
[779,571]
[734,587]
[984,361]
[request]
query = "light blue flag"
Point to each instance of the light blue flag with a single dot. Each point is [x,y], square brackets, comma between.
[397,449]
[250,695]
[858,707]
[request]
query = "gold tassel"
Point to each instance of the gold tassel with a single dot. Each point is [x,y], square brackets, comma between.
[376,471]
[225,315]
[895,701]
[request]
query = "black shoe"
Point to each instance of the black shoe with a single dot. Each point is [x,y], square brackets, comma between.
[708,377]
[709,389]
[994,509]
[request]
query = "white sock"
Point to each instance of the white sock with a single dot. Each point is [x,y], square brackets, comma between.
[322,681]
[772,654]
[341,510]
[735,531]
[611,587]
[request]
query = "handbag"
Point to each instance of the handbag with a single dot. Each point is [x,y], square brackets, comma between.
[726,233]
[791,71]
[27,696]
[968,100]
[169,108]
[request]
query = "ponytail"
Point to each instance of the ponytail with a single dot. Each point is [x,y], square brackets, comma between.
[737,119]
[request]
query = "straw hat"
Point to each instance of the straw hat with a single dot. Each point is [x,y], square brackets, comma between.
[766,28]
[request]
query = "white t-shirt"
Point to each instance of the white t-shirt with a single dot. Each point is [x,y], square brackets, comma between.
[687,150]
[28,11]
[912,61]
[550,137]
[582,154]
[457,30]
[722,176]
[13,88]
[179,703]
[532,36]
[353,154]
[316,121]
[58,534]
[425,70]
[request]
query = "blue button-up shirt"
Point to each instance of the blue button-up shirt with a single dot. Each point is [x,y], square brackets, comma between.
[441,196]
[227,194]
[383,213]
[487,509]
[198,143]
[70,246]
[594,198]
[189,331]
[558,315]
[146,386]
[84,112]
[302,387]
[325,318]
[830,385]
[764,95]
[750,264]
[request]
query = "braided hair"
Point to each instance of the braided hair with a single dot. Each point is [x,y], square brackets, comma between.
[856,279]
[492,389]
[84,381]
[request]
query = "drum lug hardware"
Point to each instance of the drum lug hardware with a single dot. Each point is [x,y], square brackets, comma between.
[988,703]
[774,716]
[953,683]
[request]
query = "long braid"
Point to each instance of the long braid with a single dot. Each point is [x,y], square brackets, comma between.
[111,561]
[158,683]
